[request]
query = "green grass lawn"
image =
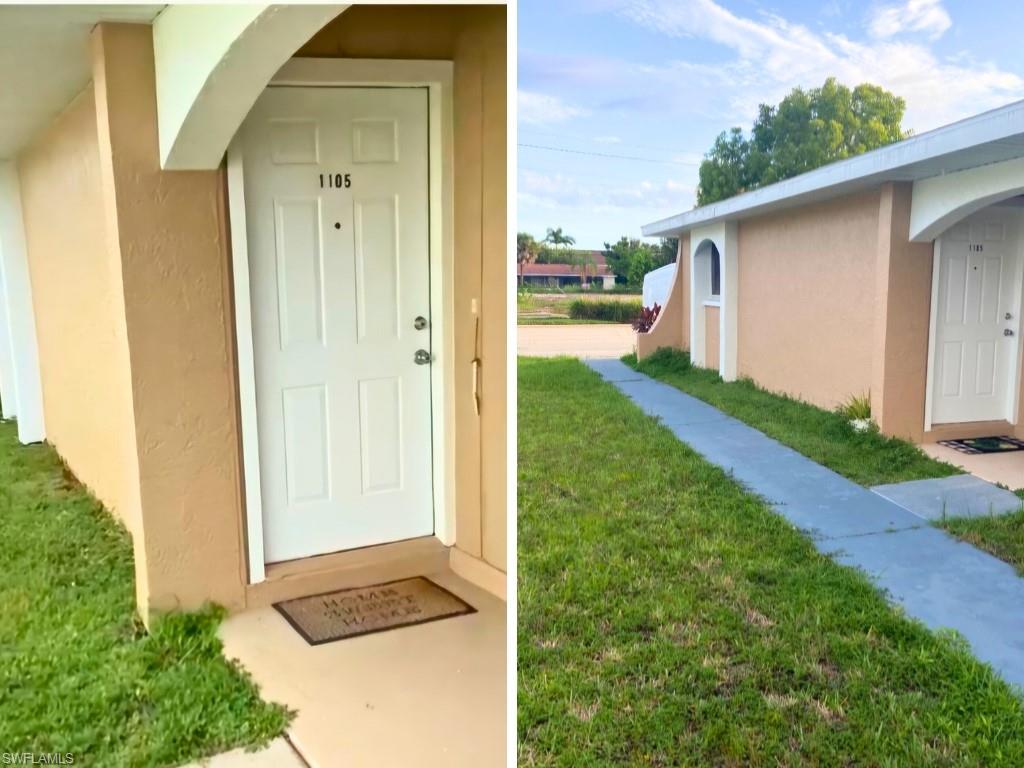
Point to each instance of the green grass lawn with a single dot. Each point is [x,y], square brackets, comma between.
[78,672]
[1000,535]
[868,458]
[668,618]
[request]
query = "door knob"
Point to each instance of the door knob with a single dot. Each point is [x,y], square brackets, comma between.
[1007,332]
[422,357]
[419,323]
[1008,316]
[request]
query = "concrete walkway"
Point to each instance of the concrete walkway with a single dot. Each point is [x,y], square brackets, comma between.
[934,577]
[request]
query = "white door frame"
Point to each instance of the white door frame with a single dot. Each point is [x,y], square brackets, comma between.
[1013,404]
[437,78]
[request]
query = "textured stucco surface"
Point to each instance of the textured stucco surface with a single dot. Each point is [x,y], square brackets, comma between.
[902,310]
[79,309]
[712,337]
[473,37]
[672,328]
[163,357]
[172,246]
[806,299]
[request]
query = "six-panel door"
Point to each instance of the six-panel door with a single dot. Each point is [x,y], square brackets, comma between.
[336,191]
[976,317]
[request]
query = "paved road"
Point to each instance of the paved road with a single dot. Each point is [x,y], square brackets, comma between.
[935,577]
[594,340]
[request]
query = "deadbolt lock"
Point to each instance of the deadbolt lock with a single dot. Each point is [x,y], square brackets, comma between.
[1007,332]
[422,357]
[419,323]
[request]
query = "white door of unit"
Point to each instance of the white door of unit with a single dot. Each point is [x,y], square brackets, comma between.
[336,201]
[976,318]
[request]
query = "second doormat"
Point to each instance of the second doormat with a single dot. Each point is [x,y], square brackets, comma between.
[364,610]
[975,445]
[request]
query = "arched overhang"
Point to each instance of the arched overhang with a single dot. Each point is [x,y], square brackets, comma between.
[212,62]
[941,201]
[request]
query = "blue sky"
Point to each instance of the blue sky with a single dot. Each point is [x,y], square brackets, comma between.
[652,82]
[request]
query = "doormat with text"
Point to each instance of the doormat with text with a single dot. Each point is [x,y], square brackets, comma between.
[364,610]
[974,445]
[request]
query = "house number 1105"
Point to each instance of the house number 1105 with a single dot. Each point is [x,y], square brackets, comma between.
[335,180]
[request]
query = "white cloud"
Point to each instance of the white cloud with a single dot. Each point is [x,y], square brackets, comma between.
[541,109]
[560,192]
[772,55]
[926,16]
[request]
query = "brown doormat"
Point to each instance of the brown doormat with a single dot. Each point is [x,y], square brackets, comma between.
[365,610]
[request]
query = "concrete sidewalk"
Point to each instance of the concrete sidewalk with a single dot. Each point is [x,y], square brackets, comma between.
[934,577]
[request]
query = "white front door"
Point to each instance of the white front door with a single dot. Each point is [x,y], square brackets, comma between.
[336,200]
[976,318]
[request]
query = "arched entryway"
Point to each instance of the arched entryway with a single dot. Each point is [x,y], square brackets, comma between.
[975,325]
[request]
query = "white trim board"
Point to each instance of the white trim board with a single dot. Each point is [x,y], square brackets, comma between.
[20,315]
[990,137]
[437,78]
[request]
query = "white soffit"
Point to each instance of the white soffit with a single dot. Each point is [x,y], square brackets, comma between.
[990,137]
[45,62]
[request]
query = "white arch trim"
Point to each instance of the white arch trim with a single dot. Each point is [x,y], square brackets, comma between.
[941,201]
[724,236]
[212,62]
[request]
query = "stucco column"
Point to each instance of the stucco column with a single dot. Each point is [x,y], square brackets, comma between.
[169,231]
[21,380]
[729,313]
[695,302]
[903,279]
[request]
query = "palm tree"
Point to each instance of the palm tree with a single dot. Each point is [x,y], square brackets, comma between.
[558,238]
[527,250]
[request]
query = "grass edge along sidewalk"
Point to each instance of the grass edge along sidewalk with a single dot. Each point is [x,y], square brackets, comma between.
[79,673]
[868,458]
[667,617]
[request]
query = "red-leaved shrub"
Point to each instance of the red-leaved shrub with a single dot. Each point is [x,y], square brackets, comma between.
[646,318]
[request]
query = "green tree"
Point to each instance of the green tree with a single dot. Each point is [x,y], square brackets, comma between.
[631,258]
[807,129]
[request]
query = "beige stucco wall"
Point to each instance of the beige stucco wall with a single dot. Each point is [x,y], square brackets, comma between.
[79,310]
[161,361]
[712,338]
[473,37]
[806,299]
[672,328]
[172,246]
[902,311]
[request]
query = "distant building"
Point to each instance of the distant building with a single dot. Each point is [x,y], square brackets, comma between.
[598,273]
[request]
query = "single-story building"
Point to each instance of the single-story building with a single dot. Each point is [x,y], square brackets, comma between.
[897,273]
[254,276]
[594,266]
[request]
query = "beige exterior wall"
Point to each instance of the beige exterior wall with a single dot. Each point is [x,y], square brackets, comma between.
[473,37]
[172,246]
[138,346]
[902,309]
[712,338]
[672,328]
[807,297]
[79,309]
